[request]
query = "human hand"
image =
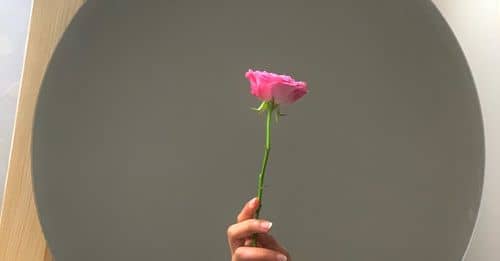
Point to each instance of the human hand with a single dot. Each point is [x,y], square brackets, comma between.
[239,237]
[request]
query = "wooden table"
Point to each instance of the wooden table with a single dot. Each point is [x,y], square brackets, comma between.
[21,237]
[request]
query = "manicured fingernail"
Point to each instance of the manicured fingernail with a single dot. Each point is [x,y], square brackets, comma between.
[266,225]
[253,203]
[281,257]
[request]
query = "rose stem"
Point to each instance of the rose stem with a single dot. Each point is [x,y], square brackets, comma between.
[260,188]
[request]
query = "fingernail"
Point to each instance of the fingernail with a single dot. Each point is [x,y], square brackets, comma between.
[281,257]
[253,203]
[266,225]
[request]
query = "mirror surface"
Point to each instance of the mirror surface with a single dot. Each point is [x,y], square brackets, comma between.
[145,147]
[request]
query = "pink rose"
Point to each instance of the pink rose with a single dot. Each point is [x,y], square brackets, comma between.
[282,88]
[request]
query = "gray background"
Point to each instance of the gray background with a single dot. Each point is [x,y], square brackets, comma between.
[391,182]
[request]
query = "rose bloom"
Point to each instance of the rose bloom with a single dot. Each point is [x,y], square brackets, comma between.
[267,86]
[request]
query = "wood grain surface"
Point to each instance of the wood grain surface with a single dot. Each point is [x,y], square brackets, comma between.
[21,237]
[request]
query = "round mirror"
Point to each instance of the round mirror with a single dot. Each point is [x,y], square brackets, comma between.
[145,146]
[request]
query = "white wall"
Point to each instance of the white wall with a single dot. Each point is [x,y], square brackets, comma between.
[476,24]
[14,16]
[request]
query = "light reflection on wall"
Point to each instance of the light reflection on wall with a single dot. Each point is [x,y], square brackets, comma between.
[14,16]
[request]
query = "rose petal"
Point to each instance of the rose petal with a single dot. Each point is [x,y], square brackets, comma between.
[282,88]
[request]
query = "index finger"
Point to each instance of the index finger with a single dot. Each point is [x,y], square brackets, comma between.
[248,210]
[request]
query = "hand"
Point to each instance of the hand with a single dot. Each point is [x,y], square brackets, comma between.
[239,236]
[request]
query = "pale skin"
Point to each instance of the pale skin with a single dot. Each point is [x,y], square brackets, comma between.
[239,238]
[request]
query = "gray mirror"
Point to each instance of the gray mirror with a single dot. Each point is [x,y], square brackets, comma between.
[145,147]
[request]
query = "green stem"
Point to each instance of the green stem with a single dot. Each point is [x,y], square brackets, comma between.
[267,148]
